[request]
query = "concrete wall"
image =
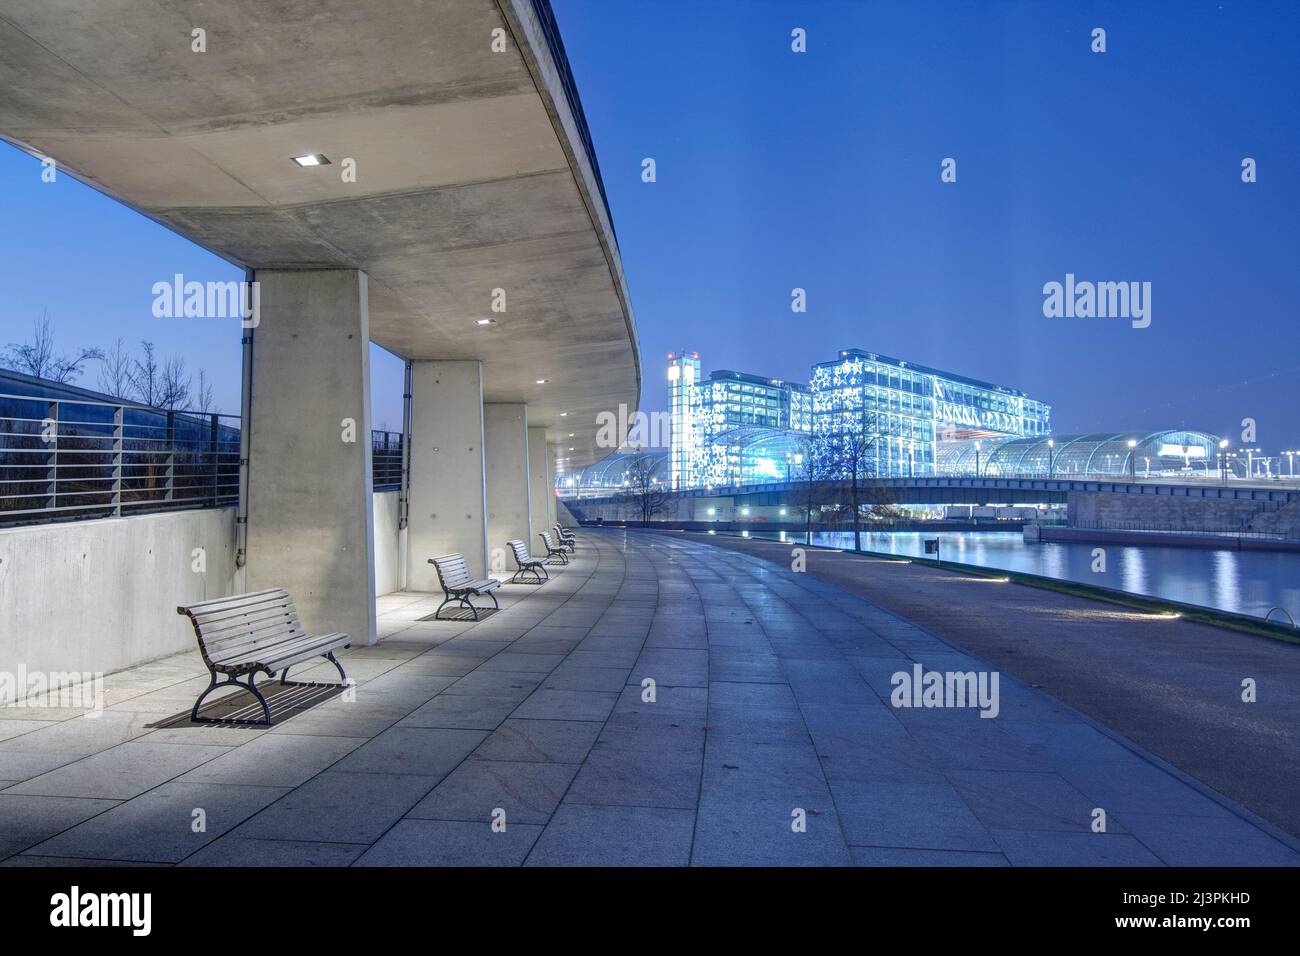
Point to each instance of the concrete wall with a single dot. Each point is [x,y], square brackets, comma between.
[1167,512]
[102,595]
[387,545]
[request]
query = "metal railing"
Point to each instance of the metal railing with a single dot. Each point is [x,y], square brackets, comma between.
[1239,530]
[82,458]
[386,460]
[66,459]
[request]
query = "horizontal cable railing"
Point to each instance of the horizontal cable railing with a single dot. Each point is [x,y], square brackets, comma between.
[64,459]
[386,460]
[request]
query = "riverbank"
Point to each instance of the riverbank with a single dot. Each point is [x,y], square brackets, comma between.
[1169,539]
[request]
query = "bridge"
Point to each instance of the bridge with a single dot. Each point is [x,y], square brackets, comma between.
[1172,503]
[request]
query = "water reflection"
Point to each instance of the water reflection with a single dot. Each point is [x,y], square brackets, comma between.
[1246,582]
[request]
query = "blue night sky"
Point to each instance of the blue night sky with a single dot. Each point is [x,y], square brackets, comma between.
[821,171]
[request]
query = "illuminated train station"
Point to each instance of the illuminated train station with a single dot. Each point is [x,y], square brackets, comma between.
[731,429]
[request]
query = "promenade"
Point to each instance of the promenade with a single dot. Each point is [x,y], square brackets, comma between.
[769,740]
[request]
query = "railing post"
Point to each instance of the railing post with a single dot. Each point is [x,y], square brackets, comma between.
[50,435]
[170,492]
[213,431]
[119,422]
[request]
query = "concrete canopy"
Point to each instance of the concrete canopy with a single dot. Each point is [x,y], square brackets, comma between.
[472,172]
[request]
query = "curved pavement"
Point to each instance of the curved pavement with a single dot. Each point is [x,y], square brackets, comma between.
[770,739]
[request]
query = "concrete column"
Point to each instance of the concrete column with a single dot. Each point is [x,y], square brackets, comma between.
[505,434]
[448,504]
[540,492]
[310,518]
[552,516]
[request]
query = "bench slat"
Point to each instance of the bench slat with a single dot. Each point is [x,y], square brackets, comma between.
[235,649]
[215,618]
[248,623]
[253,597]
[275,655]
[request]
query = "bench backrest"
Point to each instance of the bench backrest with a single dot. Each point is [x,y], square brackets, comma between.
[520,549]
[453,572]
[546,540]
[231,626]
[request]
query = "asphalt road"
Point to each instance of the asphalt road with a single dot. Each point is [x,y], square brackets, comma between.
[1170,685]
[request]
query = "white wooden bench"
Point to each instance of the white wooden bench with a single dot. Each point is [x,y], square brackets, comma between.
[566,539]
[551,550]
[241,635]
[527,564]
[458,584]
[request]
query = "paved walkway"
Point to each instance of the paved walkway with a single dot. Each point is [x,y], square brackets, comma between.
[1172,686]
[771,706]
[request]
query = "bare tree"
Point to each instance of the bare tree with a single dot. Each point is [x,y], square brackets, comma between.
[811,470]
[203,401]
[159,384]
[850,457]
[645,492]
[39,358]
[115,371]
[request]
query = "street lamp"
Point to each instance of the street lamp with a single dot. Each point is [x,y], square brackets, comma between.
[1223,460]
[977,459]
[1132,465]
[1051,462]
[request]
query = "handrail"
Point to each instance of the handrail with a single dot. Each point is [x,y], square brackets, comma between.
[57,462]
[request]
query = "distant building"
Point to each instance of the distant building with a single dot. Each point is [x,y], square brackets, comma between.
[733,427]
[906,410]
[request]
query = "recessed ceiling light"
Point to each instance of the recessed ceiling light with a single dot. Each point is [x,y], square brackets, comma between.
[485,321]
[312,159]
[564,414]
[570,449]
[570,434]
[541,381]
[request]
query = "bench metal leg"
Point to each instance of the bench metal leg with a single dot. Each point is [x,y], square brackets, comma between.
[445,602]
[527,569]
[251,687]
[285,682]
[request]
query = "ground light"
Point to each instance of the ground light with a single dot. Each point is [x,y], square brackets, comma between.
[312,159]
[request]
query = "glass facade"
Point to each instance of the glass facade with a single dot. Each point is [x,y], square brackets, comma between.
[1090,455]
[732,428]
[904,413]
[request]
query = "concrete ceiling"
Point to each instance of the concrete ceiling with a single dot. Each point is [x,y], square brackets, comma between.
[470,173]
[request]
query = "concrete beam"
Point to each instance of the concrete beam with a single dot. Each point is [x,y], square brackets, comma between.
[448,509]
[505,434]
[310,523]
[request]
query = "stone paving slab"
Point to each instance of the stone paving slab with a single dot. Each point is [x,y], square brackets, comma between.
[660,702]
